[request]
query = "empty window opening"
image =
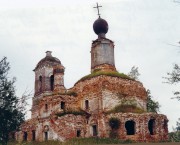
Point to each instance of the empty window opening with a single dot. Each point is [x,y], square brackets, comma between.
[33,135]
[165,125]
[25,136]
[86,104]
[94,127]
[151,126]
[52,82]
[78,133]
[46,107]
[130,127]
[40,83]
[62,105]
[45,136]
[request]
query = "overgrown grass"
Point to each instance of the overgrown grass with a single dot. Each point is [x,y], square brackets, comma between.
[76,141]
[70,93]
[74,112]
[124,108]
[108,73]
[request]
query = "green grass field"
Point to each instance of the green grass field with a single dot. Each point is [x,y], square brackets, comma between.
[76,141]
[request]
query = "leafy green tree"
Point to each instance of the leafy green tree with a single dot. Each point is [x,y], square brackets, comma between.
[178,125]
[134,73]
[174,78]
[11,107]
[175,135]
[152,106]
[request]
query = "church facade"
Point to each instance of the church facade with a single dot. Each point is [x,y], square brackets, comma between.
[103,104]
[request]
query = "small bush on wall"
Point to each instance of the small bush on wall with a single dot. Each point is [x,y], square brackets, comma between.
[114,123]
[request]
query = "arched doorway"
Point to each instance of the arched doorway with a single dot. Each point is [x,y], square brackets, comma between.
[33,135]
[25,136]
[151,126]
[130,127]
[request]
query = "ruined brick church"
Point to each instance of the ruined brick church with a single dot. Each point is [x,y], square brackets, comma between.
[103,104]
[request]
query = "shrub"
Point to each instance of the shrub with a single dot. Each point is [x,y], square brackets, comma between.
[174,136]
[114,123]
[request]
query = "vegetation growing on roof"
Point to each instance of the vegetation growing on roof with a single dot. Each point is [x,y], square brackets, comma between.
[70,93]
[69,111]
[108,73]
[125,108]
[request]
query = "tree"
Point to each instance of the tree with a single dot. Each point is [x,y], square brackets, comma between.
[176,1]
[175,135]
[174,78]
[152,106]
[178,125]
[11,107]
[134,73]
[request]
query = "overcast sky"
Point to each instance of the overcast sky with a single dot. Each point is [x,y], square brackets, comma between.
[141,29]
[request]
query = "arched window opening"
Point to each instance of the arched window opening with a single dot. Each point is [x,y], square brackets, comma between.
[62,105]
[25,136]
[78,133]
[151,126]
[130,127]
[40,83]
[86,104]
[46,107]
[33,135]
[52,82]
[46,136]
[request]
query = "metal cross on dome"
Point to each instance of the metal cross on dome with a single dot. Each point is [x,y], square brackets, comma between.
[98,9]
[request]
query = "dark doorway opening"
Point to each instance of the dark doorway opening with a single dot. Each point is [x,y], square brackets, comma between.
[52,82]
[33,135]
[25,136]
[62,105]
[45,136]
[86,104]
[151,126]
[94,130]
[130,127]
[78,133]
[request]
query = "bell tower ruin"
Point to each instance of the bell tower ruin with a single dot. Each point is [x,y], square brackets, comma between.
[102,49]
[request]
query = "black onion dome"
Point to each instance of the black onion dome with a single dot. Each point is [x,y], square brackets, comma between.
[100,26]
[49,60]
